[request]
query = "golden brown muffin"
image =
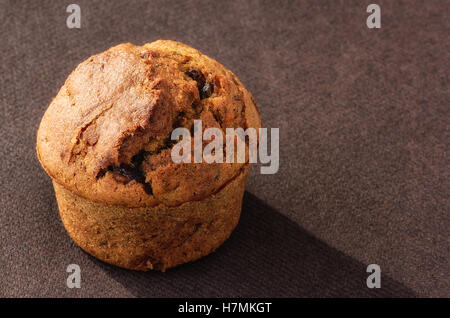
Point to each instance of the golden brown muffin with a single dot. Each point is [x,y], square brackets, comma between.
[105,142]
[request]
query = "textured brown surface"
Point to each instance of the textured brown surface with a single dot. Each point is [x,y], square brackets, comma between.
[364,125]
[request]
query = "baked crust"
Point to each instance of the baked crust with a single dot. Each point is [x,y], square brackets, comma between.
[117,110]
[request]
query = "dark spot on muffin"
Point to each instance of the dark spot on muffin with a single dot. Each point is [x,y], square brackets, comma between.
[133,171]
[148,188]
[127,171]
[168,144]
[137,159]
[205,89]
[197,76]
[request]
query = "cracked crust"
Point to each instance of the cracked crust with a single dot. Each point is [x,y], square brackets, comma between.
[106,135]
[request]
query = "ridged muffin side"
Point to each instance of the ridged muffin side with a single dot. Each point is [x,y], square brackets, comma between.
[155,238]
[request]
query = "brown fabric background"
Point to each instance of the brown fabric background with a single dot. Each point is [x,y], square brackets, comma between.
[364,124]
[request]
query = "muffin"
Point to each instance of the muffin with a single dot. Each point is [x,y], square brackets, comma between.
[105,140]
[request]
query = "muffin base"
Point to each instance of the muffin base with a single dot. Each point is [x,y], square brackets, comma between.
[158,237]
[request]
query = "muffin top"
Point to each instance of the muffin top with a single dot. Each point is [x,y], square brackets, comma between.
[106,136]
